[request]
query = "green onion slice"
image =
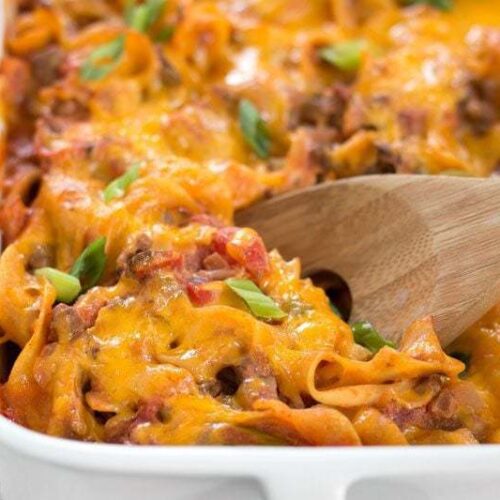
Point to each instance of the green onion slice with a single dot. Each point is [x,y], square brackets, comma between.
[117,188]
[165,34]
[334,309]
[254,128]
[142,17]
[366,335]
[260,305]
[346,56]
[67,287]
[89,267]
[103,60]
[445,5]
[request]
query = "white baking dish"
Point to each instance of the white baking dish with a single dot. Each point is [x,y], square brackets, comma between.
[37,467]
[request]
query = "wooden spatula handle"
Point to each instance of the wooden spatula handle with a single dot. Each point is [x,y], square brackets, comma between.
[408,246]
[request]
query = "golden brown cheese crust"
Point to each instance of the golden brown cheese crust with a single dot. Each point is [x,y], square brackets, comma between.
[162,351]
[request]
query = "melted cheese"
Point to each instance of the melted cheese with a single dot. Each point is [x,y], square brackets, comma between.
[162,351]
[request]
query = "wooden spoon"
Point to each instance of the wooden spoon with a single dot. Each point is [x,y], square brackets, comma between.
[408,246]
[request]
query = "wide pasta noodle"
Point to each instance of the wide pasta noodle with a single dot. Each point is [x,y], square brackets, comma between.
[373,428]
[20,304]
[132,135]
[18,388]
[34,31]
[344,382]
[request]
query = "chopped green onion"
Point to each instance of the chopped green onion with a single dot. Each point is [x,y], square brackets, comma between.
[165,34]
[103,60]
[366,335]
[334,309]
[67,287]
[128,11]
[441,4]
[346,56]
[465,359]
[142,17]
[88,268]
[139,18]
[117,188]
[259,304]
[254,128]
[445,5]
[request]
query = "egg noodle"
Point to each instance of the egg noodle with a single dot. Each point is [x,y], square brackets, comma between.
[132,310]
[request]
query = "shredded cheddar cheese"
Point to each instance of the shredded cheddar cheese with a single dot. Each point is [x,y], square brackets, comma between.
[131,132]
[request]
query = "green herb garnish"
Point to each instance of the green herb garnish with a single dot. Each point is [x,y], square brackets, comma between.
[103,60]
[366,335]
[254,128]
[67,287]
[117,188]
[465,359]
[88,268]
[259,304]
[165,34]
[445,5]
[334,309]
[142,17]
[346,56]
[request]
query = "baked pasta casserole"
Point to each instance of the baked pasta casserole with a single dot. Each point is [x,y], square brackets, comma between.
[133,310]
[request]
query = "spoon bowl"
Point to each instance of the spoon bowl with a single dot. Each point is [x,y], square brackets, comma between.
[408,246]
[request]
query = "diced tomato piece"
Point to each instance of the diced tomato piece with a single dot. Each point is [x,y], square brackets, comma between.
[244,246]
[253,256]
[199,296]
[222,238]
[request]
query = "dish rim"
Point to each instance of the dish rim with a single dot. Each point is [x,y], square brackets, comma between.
[238,460]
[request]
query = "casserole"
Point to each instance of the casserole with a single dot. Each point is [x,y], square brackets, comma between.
[249,467]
